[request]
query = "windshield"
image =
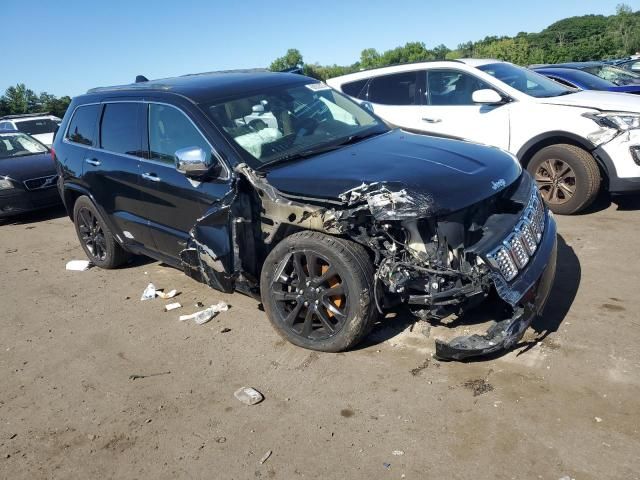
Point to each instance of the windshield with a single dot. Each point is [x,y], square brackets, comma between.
[37,127]
[19,144]
[613,74]
[290,121]
[525,80]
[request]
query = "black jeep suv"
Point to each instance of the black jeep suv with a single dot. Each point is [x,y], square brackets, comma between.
[275,185]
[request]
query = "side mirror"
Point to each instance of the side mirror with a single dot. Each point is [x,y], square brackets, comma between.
[367,106]
[487,96]
[192,161]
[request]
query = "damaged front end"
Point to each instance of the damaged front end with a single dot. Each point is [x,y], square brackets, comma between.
[439,263]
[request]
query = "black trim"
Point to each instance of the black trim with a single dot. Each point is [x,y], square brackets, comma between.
[583,142]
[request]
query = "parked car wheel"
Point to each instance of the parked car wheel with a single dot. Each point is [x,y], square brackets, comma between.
[318,291]
[567,176]
[95,237]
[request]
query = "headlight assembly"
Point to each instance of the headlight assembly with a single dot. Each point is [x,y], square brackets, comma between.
[621,121]
[5,183]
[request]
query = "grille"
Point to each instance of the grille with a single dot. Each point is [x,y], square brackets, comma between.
[41,182]
[520,245]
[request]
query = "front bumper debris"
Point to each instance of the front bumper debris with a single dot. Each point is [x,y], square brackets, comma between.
[506,333]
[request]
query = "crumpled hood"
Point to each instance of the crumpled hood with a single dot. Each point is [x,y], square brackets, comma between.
[609,101]
[28,166]
[453,174]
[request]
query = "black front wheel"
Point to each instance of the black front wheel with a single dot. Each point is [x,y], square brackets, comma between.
[318,291]
[95,237]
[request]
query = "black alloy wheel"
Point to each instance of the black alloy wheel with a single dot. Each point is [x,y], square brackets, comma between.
[92,234]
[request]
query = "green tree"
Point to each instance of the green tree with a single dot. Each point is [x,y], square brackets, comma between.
[291,59]
[18,98]
[441,52]
[369,58]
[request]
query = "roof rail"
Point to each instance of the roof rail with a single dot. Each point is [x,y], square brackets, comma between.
[40,114]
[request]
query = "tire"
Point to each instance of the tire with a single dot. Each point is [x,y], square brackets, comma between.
[568,177]
[307,314]
[95,237]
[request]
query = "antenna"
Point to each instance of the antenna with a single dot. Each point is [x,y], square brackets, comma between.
[141,78]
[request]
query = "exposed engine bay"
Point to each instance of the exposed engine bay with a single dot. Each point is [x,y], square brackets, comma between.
[437,262]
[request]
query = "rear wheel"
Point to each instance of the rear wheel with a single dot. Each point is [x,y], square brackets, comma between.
[567,176]
[95,237]
[317,291]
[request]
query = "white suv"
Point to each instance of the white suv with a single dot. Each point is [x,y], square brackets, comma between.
[40,126]
[570,140]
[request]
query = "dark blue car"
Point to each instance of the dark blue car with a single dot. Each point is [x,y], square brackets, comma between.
[584,80]
[610,73]
[27,175]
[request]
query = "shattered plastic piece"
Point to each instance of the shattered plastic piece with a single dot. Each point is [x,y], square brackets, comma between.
[204,316]
[397,453]
[225,330]
[149,292]
[78,265]
[265,457]
[598,419]
[386,465]
[248,395]
[167,295]
[172,306]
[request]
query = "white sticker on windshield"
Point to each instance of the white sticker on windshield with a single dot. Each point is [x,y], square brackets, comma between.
[316,87]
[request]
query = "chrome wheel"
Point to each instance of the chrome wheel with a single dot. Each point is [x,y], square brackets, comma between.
[556,181]
[309,295]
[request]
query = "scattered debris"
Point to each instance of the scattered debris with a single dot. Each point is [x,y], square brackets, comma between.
[169,294]
[149,292]
[416,371]
[397,453]
[199,304]
[386,465]
[78,265]
[12,436]
[221,439]
[11,250]
[172,306]
[136,376]
[91,437]
[265,457]
[598,419]
[225,330]
[478,386]
[248,395]
[204,316]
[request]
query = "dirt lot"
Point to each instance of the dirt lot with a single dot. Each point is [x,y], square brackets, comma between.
[566,403]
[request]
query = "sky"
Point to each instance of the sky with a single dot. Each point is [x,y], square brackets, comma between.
[65,47]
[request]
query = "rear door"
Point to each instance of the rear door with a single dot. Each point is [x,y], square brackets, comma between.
[175,202]
[396,98]
[112,170]
[450,110]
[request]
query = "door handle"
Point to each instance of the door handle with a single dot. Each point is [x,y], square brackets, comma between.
[151,177]
[92,161]
[431,120]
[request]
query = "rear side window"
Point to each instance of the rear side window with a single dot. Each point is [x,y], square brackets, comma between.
[120,130]
[170,130]
[82,125]
[354,89]
[37,127]
[452,87]
[396,89]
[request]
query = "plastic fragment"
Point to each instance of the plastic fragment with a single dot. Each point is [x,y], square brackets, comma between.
[203,316]
[78,265]
[265,457]
[149,292]
[248,395]
[172,306]
[167,295]
[397,453]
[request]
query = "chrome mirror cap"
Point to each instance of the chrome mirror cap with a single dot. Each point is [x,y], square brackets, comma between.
[192,160]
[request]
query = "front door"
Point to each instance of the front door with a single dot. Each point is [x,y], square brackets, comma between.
[174,201]
[450,110]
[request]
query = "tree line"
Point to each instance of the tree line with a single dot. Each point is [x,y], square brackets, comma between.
[574,39]
[20,99]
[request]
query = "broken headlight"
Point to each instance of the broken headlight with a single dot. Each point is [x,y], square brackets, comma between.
[619,120]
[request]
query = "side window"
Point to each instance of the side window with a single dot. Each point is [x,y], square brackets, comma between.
[82,125]
[396,89]
[171,130]
[451,87]
[4,125]
[120,130]
[354,89]
[561,81]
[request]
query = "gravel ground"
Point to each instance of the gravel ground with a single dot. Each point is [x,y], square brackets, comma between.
[566,402]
